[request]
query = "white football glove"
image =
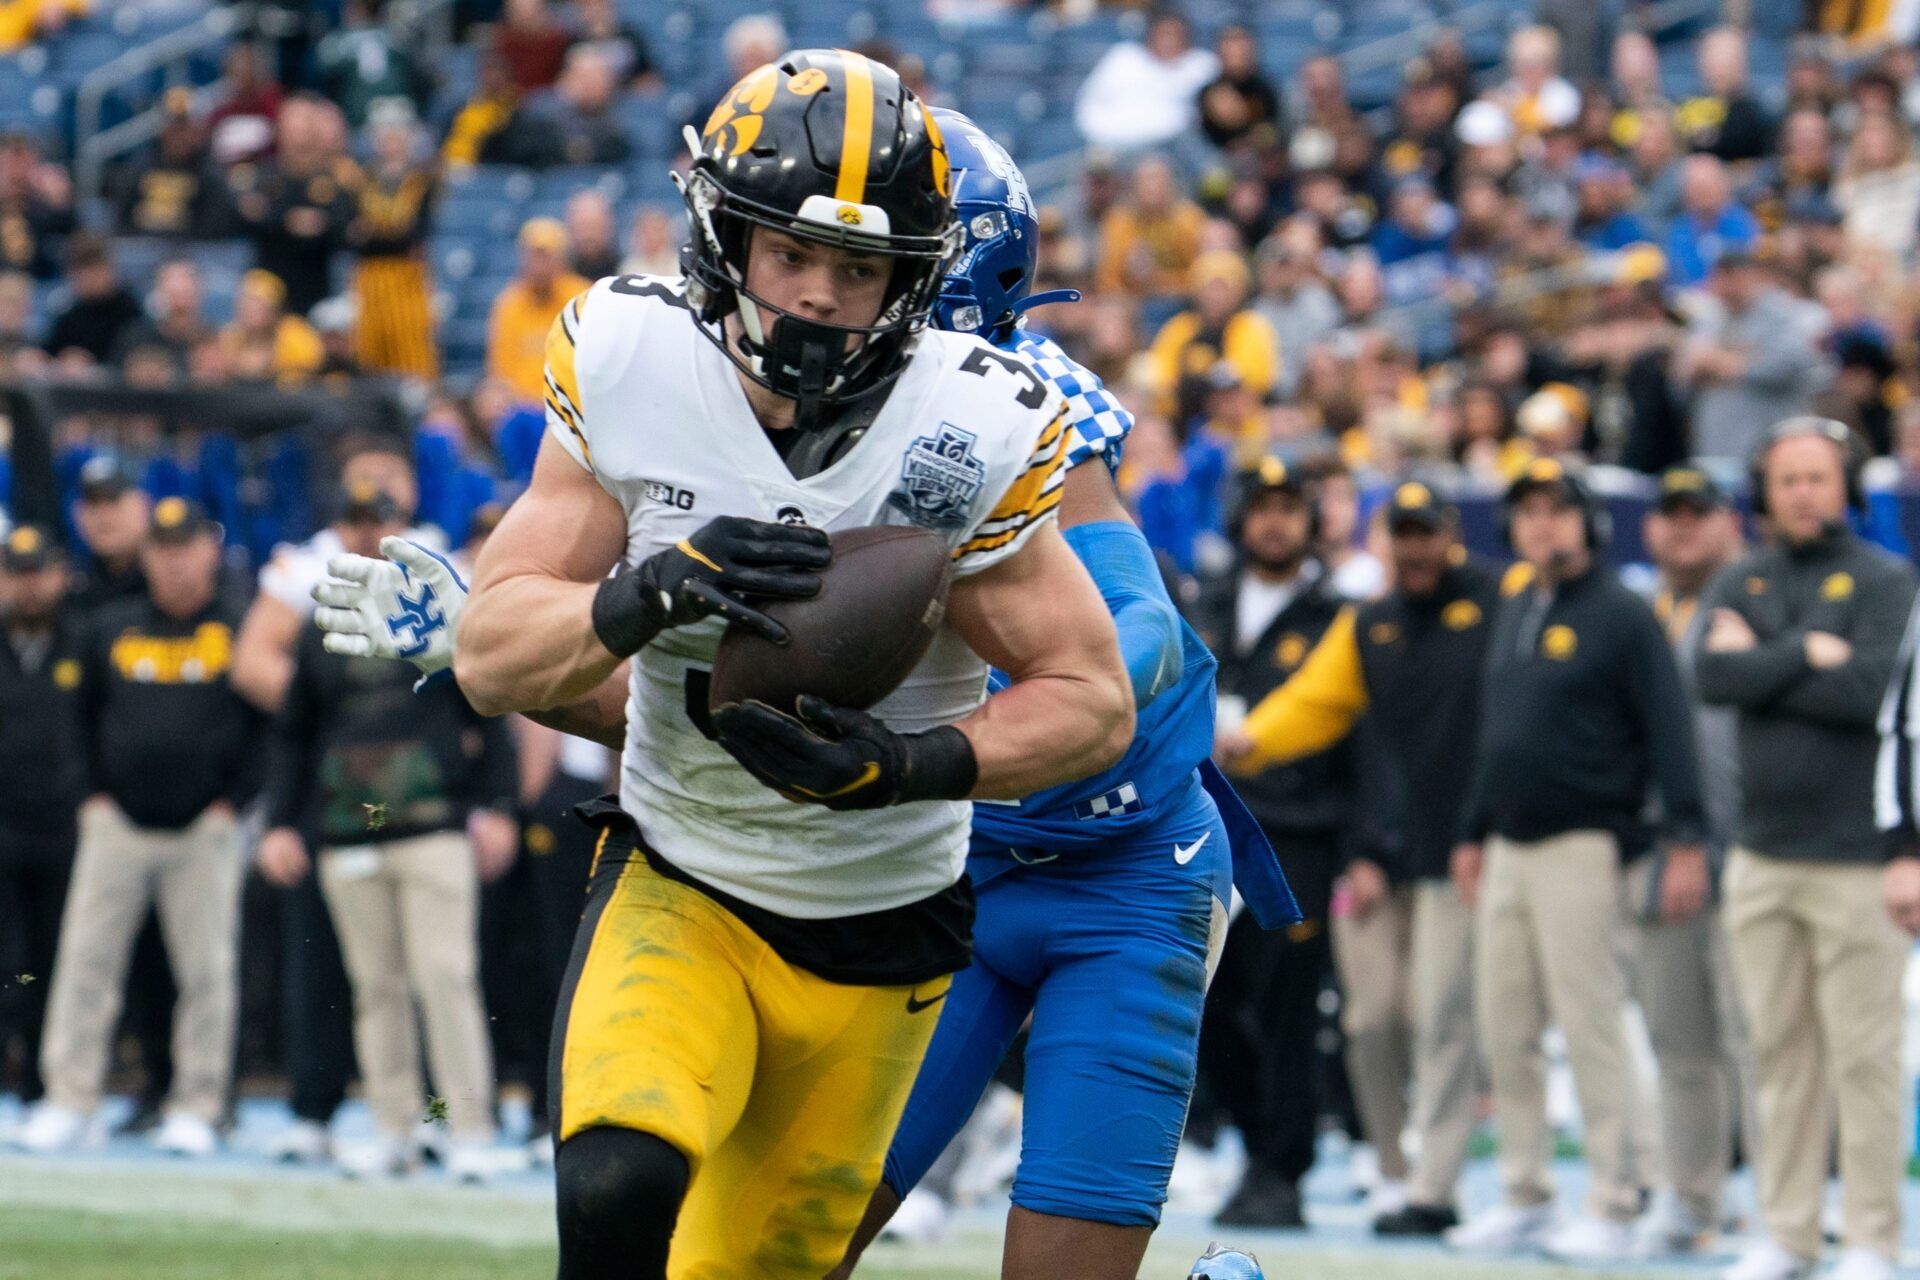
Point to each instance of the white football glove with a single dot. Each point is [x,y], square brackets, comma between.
[406,606]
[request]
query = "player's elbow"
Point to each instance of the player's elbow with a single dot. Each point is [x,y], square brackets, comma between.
[481,683]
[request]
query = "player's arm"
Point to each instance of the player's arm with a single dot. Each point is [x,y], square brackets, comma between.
[1068,712]
[527,640]
[1116,554]
[263,652]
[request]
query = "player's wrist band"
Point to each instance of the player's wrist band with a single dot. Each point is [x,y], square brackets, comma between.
[939,765]
[627,612]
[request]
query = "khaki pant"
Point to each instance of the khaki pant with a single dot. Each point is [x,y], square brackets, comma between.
[1683,979]
[1406,973]
[193,876]
[408,916]
[1819,968]
[1548,922]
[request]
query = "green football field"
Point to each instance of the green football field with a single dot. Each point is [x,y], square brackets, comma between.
[104,1219]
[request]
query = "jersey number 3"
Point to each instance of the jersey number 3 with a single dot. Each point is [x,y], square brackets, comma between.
[978,360]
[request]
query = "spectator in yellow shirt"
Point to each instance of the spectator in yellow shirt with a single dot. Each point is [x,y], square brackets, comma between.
[1149,240]
[1218,327]
[264,343]
[524,311]
[24,21]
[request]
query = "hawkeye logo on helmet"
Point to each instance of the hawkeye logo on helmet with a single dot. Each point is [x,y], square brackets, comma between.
[740,111]
[849,214]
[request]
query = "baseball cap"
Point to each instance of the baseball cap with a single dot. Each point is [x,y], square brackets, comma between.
[178,520]
[544,233]
[28,549]
[1689,487]
[367,505]
[1415,506]
[106,476]
[1272,475]
[1547,475]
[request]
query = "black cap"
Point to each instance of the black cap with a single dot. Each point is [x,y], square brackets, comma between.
[178,520]
[28,549]
[1414,506]
[1689,487]
[1274,476]
[368,505]
[1547,475]
[105,477]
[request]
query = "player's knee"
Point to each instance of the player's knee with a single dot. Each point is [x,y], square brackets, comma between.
[619,1194]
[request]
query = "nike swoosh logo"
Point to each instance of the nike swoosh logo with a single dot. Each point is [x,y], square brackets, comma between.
[1183,856]
[915,1006]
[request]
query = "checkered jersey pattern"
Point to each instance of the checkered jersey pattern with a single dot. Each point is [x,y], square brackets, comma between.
[1096,422]
[1117,803]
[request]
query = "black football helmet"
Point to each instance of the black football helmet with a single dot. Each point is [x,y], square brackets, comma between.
[829,146]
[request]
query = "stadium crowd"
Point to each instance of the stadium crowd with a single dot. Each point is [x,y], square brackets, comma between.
[1546,286]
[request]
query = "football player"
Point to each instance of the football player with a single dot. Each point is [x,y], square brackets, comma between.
[1103,902]
[755,979]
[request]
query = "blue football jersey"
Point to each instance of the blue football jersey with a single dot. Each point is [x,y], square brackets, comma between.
[1097,423]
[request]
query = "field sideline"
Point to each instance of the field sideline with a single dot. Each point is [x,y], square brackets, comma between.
[108,1218]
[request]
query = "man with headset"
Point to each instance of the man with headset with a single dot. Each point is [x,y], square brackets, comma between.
[1259,1042]
[1582,712]
[1802,637]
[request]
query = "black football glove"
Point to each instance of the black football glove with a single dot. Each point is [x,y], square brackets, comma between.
[710,574]
[845,759]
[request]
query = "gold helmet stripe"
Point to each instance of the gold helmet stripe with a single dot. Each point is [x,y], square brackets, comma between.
[856,143]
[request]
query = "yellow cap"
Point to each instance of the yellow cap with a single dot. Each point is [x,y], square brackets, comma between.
[544,233]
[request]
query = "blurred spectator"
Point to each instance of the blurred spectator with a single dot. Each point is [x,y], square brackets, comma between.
[1682,974]
[1535,96]
[532,42]
[172,190]
[296,207]
[36,207]
[410,798]
[392,284]
[1411,242]
[173,320]
[1621,358]
[1404,672]
[1711,223]
[1421,141]
[1634,72]
[1319,97]
[1605,219]
[1219,327]
[1802,171]
[525,310]
[1145,93]
[362,62]
[265,344]
[22,22]
[42,782]
[1296,305]
[1657,169]
[1357,574]
[171,758]
[1864,390]
[1148,240]
[17,345]
[242,127]
[594,247]
[111,515]
[1583,711]
[1258,1032]
[1747,357]
[1802,638]
[579,127]
[653,248]
[1238,101]
[1728,120]
[600,28]
[1487,447]
[495,99]
[1878,187]
[101,309]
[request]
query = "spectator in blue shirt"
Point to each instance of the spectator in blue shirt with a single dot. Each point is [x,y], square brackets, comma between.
[1710,223]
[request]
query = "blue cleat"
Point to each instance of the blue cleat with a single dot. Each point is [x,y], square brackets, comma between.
[1222,1263]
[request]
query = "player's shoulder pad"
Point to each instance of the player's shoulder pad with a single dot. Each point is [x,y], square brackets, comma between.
[1518,577]
[597,336]
[998,396]
[1097,423]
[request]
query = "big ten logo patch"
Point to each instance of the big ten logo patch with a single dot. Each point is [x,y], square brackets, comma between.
[669,495]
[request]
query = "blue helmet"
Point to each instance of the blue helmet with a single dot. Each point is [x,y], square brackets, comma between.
[1221,1263]
[987,286]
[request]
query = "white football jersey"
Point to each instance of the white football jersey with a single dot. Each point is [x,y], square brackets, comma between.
[968,444]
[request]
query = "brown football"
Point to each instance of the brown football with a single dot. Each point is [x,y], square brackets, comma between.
[880,603]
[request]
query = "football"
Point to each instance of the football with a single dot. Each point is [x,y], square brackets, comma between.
[880,603]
